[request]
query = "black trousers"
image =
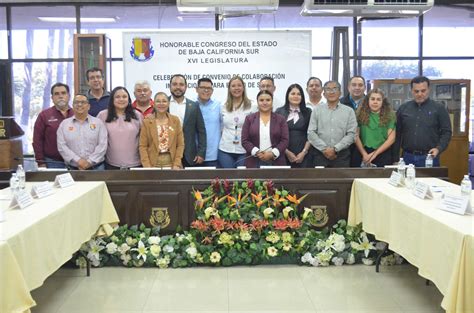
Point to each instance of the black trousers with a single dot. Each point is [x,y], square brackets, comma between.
[343,159]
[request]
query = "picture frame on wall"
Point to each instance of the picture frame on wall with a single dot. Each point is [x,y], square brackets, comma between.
[396,103]
[397,89]
[443,92]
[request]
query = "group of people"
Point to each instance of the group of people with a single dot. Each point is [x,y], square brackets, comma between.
[106,130]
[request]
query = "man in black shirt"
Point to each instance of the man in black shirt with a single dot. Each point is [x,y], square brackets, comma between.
[423,125]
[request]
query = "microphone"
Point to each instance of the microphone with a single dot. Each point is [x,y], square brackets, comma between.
[43,161]
[251,156]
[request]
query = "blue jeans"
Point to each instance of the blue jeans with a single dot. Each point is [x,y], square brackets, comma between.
[418,160]
[230,160]
[209,163]
[51,163]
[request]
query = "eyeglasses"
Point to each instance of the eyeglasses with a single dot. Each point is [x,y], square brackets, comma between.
[95,77]
[206,88]
[331,90]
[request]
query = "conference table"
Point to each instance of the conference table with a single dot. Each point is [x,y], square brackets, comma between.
[37,240]
[439,243]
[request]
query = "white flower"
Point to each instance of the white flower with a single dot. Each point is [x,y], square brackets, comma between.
[130,241]
[306,257]
[267,212]
[209,211]
[307,212]
[363,245]
[154,240]
[155,250]
[339,246]
[245,235]
[337,261]
[111,248]
[350,259]
[367,261]
[114,238]
[272,251]
[94,252]
[314,262]
[163,262]
[125,258]
[142,251]
[192,252]
[286,211]
[324,257]
[123,248]
[215,257]
[168,249]
[142,235]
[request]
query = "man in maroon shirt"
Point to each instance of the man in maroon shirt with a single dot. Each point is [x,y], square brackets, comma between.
[46,125]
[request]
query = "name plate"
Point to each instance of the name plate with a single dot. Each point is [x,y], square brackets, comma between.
[454,204]
[396,179]
[422,190]
[42,190]
[22,199]
[64,180]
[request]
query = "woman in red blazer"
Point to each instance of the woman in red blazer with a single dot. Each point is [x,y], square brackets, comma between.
[265,134]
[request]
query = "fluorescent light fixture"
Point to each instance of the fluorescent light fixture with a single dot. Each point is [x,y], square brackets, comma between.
[73,19]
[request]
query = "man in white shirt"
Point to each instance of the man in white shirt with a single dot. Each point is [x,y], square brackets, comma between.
[314,88]
[191,120]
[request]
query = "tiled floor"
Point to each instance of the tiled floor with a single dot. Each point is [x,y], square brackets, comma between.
[279,289]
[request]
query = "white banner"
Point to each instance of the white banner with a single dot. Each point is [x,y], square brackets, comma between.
[218,55]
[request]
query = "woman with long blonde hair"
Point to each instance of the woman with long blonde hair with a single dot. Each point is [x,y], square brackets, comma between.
[376,131]
[235,109]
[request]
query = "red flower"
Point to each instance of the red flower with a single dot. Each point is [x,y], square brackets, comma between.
[207,240]
[199,225]
[217,223]
[227,186]
[216,185]
[258,225]
[241,225]
[230,225]
[280,224]
[294,223]
[250,183]
[270,187]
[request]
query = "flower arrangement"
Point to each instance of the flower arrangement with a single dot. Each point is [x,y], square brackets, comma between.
[249,222]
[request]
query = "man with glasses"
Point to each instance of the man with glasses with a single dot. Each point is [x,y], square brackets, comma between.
[82,138]
[211,112]
[332,129]
[46,126]
[143,102]
[97,95]
[191,119]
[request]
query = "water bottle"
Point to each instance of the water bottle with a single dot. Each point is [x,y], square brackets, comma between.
[401,168]
[466,186]
[20,174]
[411,175]
[429,160]
[14,184]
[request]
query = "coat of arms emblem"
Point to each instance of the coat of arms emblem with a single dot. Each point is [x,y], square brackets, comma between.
[160,217]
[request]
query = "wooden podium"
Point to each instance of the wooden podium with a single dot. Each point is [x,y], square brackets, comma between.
[10,144]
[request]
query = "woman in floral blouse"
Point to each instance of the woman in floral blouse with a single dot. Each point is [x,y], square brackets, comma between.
[161,138]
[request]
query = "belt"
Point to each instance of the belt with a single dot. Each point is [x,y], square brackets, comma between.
[417,152]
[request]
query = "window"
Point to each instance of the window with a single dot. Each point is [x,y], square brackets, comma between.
[136,18]
[393,37]
[43,32]
[448,32]
[32,83]
[3,34]
[378,69]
